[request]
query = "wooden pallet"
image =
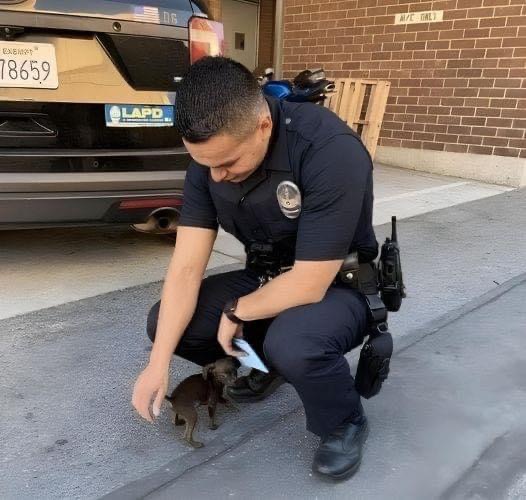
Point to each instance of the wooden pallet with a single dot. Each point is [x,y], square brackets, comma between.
[361,104]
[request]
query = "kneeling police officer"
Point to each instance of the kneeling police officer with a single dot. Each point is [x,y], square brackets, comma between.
[294,184]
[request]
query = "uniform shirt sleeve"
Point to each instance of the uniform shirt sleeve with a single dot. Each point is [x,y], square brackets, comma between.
[334,180]
[198,208]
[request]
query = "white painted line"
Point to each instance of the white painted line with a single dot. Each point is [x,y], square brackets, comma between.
[419,192]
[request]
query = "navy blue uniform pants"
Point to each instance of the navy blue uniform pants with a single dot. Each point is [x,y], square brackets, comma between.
[305,344]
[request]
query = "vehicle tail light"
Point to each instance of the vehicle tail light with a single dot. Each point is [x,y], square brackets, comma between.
[150,203]
[206,38]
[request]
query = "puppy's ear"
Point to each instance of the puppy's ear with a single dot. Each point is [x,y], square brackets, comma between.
[207,369]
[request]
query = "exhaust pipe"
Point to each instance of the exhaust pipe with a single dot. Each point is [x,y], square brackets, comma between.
[161,221]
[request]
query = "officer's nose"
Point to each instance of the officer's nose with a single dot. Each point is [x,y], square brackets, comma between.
[218,174]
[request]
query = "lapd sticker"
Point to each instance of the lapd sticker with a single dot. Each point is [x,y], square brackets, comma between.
[133,115]
[289,199]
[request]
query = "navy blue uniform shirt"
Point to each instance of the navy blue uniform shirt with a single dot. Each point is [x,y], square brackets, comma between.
[313,148]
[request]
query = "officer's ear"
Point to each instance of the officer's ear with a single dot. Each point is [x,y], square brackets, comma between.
[265,123]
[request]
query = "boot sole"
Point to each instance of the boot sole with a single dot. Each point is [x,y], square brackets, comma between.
[348,473]
[258,397]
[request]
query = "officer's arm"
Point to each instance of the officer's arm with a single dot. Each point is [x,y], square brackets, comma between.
[306,283]
[181,287]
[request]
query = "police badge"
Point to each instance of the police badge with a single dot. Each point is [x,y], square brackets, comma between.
[289,199]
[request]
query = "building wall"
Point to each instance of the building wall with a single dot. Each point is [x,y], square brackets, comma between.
[456,86]
[266,33]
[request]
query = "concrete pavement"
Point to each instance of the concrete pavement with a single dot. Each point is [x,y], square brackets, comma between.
[67,429]
[45,268]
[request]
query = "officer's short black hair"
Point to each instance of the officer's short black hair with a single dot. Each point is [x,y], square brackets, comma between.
[217,95]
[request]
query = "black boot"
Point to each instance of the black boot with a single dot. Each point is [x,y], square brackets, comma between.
[340,453]
[255,386]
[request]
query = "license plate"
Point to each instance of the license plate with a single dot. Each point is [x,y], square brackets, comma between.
[28,65]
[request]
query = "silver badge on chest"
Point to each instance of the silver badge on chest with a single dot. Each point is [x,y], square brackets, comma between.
[289,199]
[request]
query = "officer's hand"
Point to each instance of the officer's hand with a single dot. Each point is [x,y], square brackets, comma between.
[226,332]
[151,385]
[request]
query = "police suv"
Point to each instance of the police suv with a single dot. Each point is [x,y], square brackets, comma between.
[87,104]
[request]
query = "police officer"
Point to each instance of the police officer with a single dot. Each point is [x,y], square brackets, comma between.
[294,184]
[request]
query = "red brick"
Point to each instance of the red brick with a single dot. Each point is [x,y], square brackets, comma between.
[456,148]
[412,144]
[468,4]
[508,52]
[459,63]
[504,32]
[506,152]
[496,73]
[485,131]
[446,137]
[518,143]
[509,132]
[491,93]
[481,82]
[441,92]
[448,35]
[508,82]
[476,102]
[516,93]
[480,150]
[429,35]
[452,101]
[466,92]
[499,122]
[488,43]
[495,2]
[518,73]
[397,143]
[445,119]
[469,139]
[437,44]
[412,127]
[463,111]
[433,146]
[489,112]
[495,141]
[437,129]
[423,136]
[513,10]
[516,21]
[473,121]
[455,82]
[463,44]
[511,63]
[469,73]
[426,118]
[456,130]
[504,103]
[492,22]
[404,37]
[477,33]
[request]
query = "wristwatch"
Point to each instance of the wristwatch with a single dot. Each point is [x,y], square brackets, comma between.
[230,310]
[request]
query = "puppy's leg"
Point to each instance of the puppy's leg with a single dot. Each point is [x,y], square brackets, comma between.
[190,416]
[212,406]
[177,420]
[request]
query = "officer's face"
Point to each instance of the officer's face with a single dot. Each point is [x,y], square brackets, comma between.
[230,158]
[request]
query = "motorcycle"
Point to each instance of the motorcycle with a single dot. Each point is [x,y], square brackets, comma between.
[307,86]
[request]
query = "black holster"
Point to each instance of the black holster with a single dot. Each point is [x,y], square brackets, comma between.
[375,356]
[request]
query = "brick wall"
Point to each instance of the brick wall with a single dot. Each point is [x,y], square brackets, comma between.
[457,85]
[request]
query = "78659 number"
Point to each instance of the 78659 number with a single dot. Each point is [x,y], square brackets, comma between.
[35,70]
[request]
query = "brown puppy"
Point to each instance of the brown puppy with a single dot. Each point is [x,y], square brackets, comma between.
[201,389]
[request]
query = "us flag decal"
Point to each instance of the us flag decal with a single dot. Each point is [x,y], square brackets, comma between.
[147,14]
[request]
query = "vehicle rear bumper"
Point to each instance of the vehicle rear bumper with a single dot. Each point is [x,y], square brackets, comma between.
[38,209]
